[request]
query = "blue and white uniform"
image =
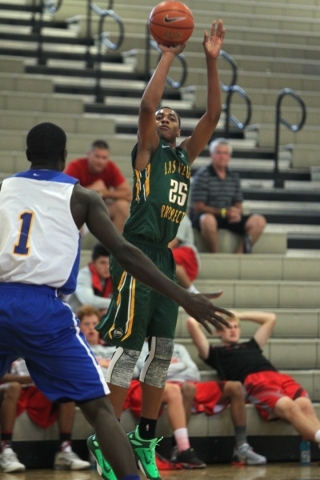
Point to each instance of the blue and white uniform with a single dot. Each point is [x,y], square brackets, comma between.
[39,262]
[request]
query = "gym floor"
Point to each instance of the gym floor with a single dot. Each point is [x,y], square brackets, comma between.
[279,471]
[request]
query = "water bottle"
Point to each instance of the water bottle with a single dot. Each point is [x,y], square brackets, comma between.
[305,453]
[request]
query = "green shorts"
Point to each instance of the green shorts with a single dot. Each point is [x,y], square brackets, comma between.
[137,311]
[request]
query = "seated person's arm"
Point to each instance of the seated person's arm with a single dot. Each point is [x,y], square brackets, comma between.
[199,338]
[85,294]
[120,192]
[266,320]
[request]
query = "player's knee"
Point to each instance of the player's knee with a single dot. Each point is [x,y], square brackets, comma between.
[121,367]
[156,366]
[234,389]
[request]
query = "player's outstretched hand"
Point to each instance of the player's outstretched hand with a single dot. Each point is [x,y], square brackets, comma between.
[205,312]
[174,50]
[212,44]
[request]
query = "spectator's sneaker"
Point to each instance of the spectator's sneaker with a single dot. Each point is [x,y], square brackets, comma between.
[144,451]
[189,460]
[69,461]
[9,461]
[164,464]
[247,246]
[103,467]
[244,455]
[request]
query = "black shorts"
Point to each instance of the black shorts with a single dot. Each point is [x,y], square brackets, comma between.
[238,227]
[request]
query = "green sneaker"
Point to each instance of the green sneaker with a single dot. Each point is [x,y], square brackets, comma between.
[103,467]
[144,451]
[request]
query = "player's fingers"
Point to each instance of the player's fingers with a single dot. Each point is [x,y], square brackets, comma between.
[207,327]
[219,322]
[213,28]
[213,295]
[205,36]
[226,312]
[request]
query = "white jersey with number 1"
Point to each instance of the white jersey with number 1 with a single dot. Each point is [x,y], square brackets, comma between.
[39,241]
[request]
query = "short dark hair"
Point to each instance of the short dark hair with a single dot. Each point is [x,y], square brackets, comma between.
[169,108]
[99,251]
[46,141]
[100,144]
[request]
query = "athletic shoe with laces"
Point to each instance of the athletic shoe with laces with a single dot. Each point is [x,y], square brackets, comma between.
[244,455]
[144,451]
[189,460]
[103,467]
[69,461]
[9,461]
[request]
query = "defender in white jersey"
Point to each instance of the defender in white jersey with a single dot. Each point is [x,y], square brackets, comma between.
[41,213]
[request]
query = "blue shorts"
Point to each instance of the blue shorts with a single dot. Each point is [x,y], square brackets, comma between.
[39,327]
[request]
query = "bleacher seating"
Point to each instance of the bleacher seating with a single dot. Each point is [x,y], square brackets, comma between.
[275,45]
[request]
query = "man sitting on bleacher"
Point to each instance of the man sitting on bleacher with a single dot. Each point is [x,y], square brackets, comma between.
[274,394]
[216,201]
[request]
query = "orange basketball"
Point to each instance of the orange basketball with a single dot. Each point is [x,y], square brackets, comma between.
[171,23]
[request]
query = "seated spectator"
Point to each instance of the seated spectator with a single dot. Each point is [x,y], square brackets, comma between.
[186,255]
[89,318]
[97,172]
[184,394]
[216,201]
[274,394]
[18,393]
[94,283]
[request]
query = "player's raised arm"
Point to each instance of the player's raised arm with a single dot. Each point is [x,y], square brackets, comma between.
[148,138]
[204,129]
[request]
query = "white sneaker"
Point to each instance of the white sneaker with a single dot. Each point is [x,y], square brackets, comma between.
[9,461]
[244,455]
[69,461]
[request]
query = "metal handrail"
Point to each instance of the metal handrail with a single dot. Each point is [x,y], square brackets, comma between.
[102,36]
[231,89]
[104,40]
[153,44]
[52,6]
[229,117]
[234,67]
[278,182]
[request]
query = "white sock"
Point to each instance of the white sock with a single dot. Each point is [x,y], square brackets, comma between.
[182,439]
[192,289]
[317,436]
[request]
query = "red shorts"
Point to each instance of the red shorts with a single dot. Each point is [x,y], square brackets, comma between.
[264,389]
[186,257]
[208,397]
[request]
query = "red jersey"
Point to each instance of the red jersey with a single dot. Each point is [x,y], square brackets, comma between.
[79,169]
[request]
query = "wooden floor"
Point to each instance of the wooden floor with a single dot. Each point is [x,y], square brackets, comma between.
[280,471]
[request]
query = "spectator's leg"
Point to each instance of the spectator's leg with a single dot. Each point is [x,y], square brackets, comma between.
[254,227]
[209,231]
[233,391]
[10,396]
[188,391]
[119,212]
[66,412]
[182,276]
[290,410]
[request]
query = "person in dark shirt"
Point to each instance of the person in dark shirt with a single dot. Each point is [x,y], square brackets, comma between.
[274,394]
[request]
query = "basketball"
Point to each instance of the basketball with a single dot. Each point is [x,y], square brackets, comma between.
[171,23]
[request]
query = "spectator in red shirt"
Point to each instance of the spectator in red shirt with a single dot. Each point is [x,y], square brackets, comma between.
[97,172]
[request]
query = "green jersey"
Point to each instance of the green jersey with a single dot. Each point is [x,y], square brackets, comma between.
[160,194]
